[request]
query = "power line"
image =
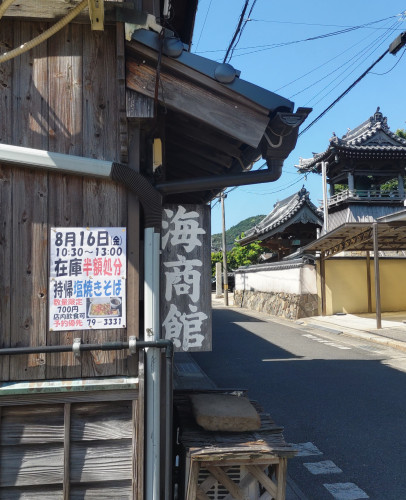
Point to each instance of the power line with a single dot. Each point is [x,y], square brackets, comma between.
[344,93]
[204,24]
[320,24]
[237,30]
[372,49]
[243,28]
[393,67]
[283,44]
[321,65]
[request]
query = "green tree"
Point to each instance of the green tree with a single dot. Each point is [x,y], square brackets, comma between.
[238,256]
[401,132]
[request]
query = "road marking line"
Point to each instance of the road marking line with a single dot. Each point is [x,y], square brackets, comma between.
[325,467]
[345,491]
[325,342]
[306,449]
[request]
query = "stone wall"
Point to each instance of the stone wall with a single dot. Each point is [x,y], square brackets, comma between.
[286,305]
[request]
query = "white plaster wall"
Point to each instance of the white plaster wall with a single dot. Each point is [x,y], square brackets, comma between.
[299,280]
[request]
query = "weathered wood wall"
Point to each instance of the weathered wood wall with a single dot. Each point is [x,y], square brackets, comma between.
[67,95]
[69,450]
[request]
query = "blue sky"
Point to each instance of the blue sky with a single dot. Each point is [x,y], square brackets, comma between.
[312,74]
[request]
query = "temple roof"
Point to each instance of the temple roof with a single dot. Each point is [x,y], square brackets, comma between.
[371,139]
[296,208]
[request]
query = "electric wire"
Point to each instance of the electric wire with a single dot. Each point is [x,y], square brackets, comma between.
[237,30]
[283,44]
[322,65]
[318,24]
[374,47]
[348,89]
[204,24]
[242,29]
[393,67]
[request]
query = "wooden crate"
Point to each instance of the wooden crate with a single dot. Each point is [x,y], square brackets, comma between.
[232,465]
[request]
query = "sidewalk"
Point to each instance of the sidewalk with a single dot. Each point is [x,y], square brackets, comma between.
[392,334]
[362,326]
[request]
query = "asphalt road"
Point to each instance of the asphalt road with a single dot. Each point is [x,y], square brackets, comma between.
[344,397]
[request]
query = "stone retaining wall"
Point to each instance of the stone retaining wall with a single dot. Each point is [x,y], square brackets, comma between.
[286,305]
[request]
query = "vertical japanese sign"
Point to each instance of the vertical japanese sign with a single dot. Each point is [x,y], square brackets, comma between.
[185,271]
[87,278]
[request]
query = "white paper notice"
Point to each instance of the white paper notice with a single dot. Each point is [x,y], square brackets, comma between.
[87,284]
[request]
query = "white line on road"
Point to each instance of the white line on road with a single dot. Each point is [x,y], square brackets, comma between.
[325,467]
[306,449]
[325,342]
[346,491]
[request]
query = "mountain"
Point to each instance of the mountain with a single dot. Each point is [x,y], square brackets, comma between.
[235,232]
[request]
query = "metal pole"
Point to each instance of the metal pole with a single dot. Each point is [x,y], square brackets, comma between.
[377,276]
[325,205]
[369,282]
[323,283]
[223,216]
[152,369]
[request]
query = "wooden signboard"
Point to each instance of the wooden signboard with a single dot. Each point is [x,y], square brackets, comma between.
[185,277]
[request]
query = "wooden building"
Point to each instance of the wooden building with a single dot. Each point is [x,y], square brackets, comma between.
[358,168]
[99,124]
[293,223]
[365,170]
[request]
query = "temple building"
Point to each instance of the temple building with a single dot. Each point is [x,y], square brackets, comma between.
[364,171]
[291,224]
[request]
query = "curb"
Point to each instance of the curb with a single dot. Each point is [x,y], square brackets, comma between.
[369,336]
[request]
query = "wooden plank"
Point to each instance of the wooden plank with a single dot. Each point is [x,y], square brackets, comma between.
[32,425]
[228,483]
[65,209]
[63,397]
[200,495]
[245,482]
[103,421]
[29,273]
[6,251]
[30,90]
[65,90]
[33,465]
[281,471]
[193,480]
[203,104]
[263,479]
[96,462]
[121,92]
[6,128]
[113,490]
[139,105]
[65,136]
[66,451]
[41,492]
[6,82]
[100,120]
[29,279]
[104,202]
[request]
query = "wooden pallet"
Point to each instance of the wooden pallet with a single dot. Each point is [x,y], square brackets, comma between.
[211,459]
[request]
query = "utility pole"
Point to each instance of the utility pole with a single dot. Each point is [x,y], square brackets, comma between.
[222,197]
